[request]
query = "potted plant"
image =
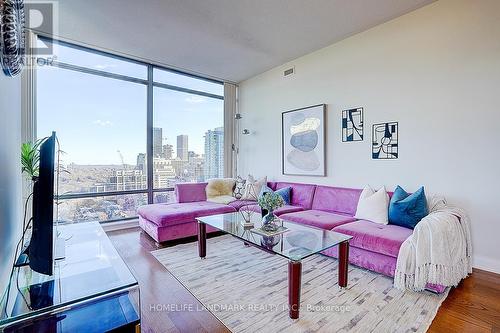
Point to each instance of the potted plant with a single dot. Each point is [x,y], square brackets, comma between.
[30,158]
[270,201]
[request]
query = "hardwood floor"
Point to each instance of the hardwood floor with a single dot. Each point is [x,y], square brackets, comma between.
[474,306]
[162,296]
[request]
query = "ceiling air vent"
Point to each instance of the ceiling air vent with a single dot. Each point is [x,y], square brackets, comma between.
[289,71]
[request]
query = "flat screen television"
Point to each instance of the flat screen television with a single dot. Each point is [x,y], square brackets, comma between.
[41,246]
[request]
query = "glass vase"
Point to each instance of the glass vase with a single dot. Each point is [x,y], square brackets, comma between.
[268,221]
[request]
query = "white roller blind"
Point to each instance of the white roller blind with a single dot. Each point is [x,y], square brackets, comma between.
[230,106]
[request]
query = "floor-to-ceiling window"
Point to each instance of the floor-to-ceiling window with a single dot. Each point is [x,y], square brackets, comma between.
[187,125]
[128,131]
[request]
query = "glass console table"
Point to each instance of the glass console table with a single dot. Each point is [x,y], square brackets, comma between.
[298,243]
[91,290]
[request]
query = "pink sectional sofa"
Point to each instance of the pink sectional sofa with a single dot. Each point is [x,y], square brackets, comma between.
[373,246]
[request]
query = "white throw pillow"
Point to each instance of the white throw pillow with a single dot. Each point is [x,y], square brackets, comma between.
[253,188]
[373,206]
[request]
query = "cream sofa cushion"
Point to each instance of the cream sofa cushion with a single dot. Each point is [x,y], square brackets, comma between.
[220,190]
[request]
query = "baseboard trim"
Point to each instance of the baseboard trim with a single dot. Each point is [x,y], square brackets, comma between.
[113,226]
[486,264]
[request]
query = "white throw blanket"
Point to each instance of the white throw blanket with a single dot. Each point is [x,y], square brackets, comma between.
[439,250]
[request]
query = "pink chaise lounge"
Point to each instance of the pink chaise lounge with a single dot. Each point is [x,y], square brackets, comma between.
[171,221]
[373,246]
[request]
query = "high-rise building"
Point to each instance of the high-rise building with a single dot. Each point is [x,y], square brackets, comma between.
[157,142]
[214,153]
[195,167]
[182,147]
[141,162]
[126,180]
[168,151]
[163,173]
[180,167]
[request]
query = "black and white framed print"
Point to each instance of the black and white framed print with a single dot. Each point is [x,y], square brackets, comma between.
[303,141]
[352,125]
[385,141]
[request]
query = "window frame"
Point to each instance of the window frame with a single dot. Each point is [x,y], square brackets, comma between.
[150,85]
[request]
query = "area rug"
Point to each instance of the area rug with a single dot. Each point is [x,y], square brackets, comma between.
[247,289]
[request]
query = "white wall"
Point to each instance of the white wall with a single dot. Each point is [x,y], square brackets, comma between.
[10,177]
[436,71]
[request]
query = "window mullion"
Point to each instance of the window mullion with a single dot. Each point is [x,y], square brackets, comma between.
[149,140]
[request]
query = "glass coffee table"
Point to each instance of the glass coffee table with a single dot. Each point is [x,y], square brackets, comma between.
[298,243]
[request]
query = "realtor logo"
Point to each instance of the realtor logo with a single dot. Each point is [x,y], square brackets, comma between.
[42,17]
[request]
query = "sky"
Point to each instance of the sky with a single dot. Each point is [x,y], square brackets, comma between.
[95,117]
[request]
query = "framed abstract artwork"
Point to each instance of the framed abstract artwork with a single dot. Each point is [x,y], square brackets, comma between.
[303,141]
[385,141]
[352,125]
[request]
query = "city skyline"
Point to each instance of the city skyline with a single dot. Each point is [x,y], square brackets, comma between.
[167,169]
[159,151]
[115,115]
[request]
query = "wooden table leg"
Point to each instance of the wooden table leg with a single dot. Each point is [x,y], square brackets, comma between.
[343,263]
[202,239]
[294,284]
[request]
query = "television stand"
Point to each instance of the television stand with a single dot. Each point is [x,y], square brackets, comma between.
[59,248]
[59,252]
[23,259]
[91,290]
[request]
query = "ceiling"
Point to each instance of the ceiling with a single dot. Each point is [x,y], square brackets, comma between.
[231,40]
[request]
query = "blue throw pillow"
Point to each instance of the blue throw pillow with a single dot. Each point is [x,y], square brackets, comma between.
[407,210]
[284,193]
[265,189]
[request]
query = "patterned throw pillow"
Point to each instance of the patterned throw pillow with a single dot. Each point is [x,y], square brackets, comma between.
[253,188]
[239,188]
